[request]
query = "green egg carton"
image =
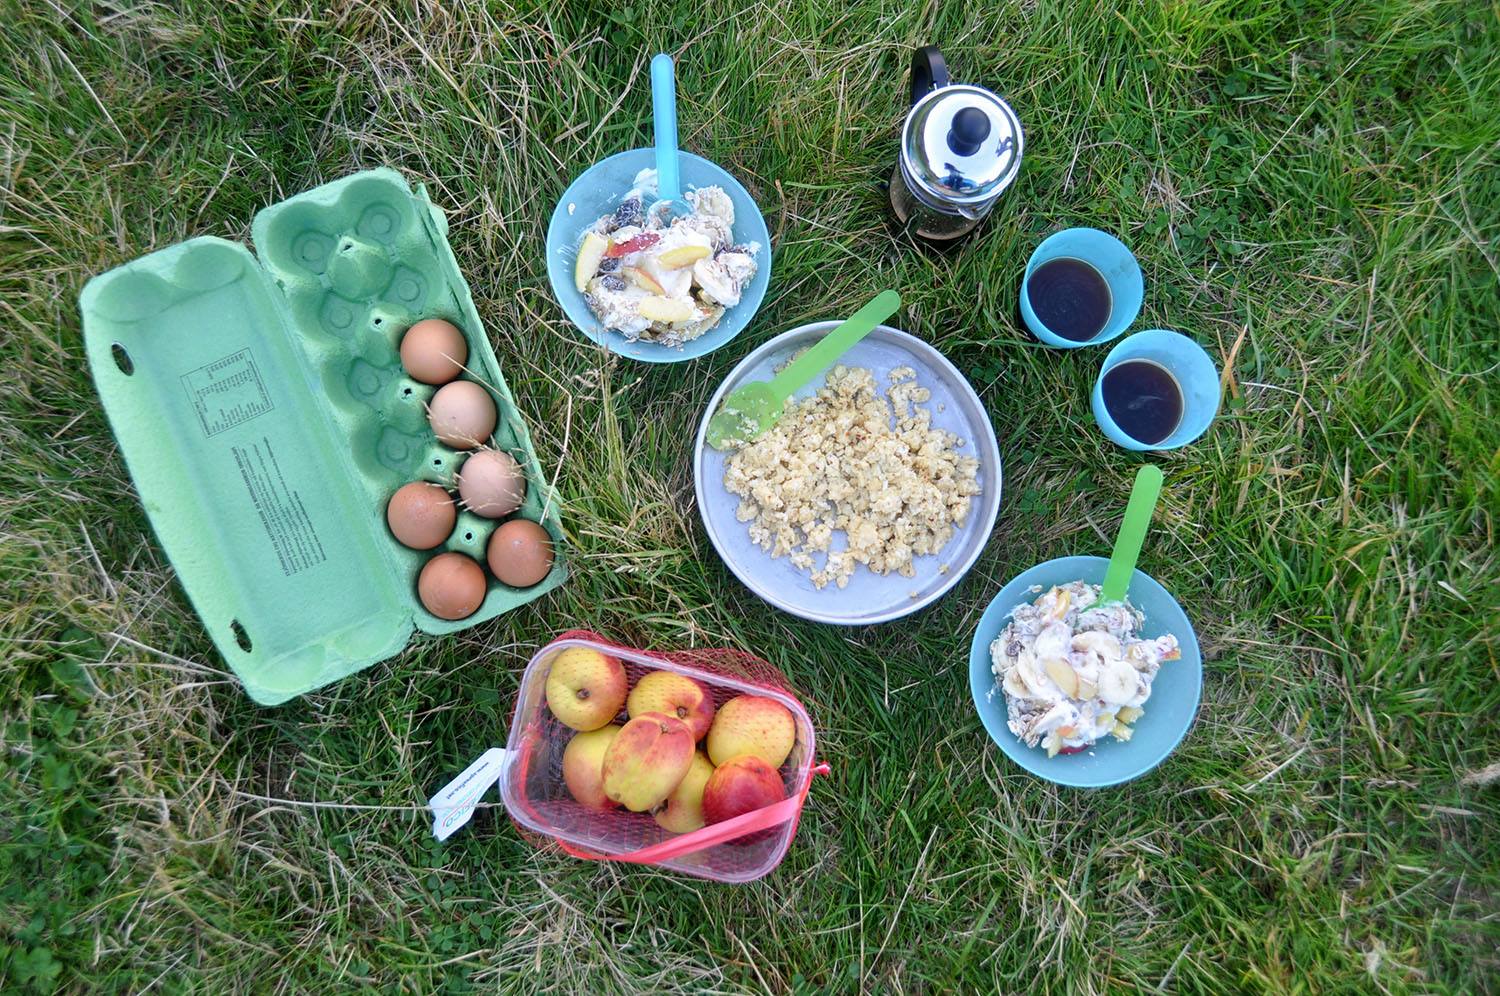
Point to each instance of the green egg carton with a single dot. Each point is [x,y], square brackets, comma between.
[264,416]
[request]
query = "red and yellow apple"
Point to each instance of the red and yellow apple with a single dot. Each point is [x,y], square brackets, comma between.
[583,766]
[741,785]
[647,760]
[752,724]
[585,689]
[673,695]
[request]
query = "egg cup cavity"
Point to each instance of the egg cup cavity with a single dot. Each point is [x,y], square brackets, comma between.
[381,222]
[302,238]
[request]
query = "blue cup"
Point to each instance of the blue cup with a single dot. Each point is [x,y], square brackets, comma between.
[1189,365]
[596,192]
[1114,262]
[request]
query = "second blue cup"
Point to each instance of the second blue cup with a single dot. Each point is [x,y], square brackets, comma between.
[1173,379]
[1077,292]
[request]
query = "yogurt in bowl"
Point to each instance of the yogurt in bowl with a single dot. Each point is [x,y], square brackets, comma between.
[1168,708]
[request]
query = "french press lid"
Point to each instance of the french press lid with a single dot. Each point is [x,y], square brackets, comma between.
[961,144]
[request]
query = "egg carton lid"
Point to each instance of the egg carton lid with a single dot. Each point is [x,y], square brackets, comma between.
[244,473]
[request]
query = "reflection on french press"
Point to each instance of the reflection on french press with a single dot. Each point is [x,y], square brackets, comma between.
[960,149]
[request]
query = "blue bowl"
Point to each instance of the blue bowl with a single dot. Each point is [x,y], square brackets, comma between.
[1112,259]
[597,192]
[1188,364]
[1169,710]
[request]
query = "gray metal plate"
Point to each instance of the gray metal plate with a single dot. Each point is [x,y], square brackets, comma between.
[869,597]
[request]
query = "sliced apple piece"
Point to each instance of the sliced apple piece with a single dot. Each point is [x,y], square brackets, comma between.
[1122,732]
[642,279]
[665,309]
[1129,714]
[644,240]
[676,259]
[1061,672]
[590,254]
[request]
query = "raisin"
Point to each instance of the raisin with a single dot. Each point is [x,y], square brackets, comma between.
[608,264]
[612,282]
[628,213]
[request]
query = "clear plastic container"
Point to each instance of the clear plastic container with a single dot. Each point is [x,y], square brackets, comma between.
[537,799]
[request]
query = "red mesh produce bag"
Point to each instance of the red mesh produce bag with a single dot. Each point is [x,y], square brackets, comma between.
[736,850]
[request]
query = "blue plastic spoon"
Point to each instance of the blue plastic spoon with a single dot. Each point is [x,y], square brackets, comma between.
[664,121]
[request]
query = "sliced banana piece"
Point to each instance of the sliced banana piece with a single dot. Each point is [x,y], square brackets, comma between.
[1025,670]
[1118,682]
[714,280]
[1099,642]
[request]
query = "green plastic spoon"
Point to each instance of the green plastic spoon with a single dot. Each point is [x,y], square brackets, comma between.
[1132,534]
[754,407]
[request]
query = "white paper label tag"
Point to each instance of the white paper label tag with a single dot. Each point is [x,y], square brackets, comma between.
[454,803]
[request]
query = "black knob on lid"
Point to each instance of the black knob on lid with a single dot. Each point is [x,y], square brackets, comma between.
[971,126]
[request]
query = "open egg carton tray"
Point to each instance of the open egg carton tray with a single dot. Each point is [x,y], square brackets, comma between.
[264,415]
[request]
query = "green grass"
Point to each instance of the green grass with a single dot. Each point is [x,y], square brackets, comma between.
[1312,189]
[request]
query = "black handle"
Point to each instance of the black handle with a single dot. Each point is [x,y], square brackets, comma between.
[928,72]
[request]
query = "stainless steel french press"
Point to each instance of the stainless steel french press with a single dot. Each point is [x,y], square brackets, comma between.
[960,149]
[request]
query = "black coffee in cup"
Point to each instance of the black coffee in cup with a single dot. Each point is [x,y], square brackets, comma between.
[1070,297]
[1143,398]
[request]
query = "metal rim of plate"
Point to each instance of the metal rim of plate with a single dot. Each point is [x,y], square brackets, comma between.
[981,436]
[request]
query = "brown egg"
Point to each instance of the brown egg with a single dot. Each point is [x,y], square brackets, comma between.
[462,414]
[434,351]
[491,484]
[421,515]
[451,586]
[520,553]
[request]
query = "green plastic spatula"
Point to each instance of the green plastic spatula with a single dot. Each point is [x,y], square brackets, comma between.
[753,408]
[1132,534]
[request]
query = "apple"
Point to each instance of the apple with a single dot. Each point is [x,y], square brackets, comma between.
[642,279]
[741,785]
[647,760]
[676,259]
[637,242]
[684,807]
[590,254]
[585,689]
[675,695]
[665,309]
[752,724]
[583,766]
